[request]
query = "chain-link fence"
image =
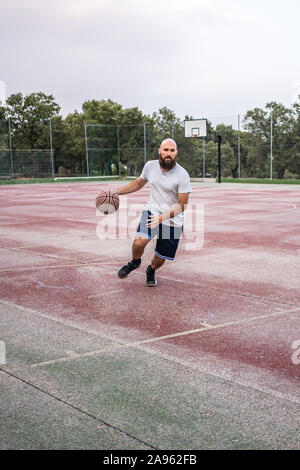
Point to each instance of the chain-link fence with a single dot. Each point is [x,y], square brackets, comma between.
[90,149]
[115,149]
[26,163]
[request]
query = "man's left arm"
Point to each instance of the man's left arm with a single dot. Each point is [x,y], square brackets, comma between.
[155,220]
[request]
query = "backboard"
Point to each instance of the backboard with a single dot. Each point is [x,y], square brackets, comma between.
[195,128]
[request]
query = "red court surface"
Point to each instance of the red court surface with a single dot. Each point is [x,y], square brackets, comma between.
[228,306]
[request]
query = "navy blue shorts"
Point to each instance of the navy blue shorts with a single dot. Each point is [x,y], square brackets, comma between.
[167,237]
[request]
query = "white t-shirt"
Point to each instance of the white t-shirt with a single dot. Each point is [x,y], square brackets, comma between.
[164,189]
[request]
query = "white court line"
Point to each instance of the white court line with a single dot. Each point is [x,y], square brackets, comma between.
[45,255]
[47,220]
[39,267]
[226,291]
[208,327]
[122,344]
[49,255]
[242,203]
[15,220]
[19,248]
[267,211]
[108,265]
[223,376]
[9,224]
[60,321]
[42,199]
[105,293]
[75,264]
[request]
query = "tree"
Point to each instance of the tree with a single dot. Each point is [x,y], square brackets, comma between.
[2,112]
[229,150]
[229,162]
[258,123]
[3,129]
[211,158]
[283,138]
[109,127]
[5,167]
[72,153]
[101,111]
[166,123]
[29,116]
[131,139]
[294,166]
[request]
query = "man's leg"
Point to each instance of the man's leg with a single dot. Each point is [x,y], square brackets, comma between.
[156,262]
[138,248]
[166,247]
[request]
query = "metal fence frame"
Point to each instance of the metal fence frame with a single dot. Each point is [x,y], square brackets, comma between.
[15,167]
[118,148]
[233,120]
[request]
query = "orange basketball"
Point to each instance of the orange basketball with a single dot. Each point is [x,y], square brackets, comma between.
[107,202]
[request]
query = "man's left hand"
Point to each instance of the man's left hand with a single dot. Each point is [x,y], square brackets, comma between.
[154,221]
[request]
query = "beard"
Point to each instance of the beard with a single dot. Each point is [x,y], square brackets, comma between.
[167,165]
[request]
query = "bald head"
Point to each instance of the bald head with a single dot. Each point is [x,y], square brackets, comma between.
[167,141]
[167,154]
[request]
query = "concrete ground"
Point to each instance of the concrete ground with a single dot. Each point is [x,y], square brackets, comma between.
[206,360]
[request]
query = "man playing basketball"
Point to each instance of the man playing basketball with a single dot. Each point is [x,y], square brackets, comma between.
[163,216]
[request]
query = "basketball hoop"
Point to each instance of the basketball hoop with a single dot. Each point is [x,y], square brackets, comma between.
[195,128]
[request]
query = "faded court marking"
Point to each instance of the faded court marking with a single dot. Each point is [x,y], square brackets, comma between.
[122,344]
[95,296]
[208,327]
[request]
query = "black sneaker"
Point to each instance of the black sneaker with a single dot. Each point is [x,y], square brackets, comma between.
[151,281]
[133,264]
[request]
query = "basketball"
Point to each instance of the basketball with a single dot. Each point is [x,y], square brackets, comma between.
[107,202]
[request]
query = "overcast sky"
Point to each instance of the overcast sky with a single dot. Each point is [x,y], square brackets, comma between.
[198,57]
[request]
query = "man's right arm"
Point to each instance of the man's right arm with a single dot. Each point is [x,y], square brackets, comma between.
[131,187]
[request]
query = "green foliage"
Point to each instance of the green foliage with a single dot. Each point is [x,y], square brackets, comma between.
[2,112]
[70,149]
[3,134]
[29,116]
[285,144]
[101,112]
[260,181]
[109,124]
